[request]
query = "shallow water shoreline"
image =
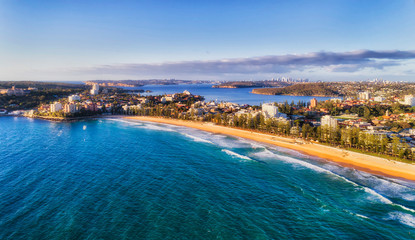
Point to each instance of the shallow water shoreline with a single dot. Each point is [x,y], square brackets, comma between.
[361,161]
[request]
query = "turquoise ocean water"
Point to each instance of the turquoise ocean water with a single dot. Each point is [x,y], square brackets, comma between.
[119,179]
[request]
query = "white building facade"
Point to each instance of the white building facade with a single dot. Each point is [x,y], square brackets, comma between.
[329,122]
[70,108]
[364,95]
[95,89]
[270,110]
[379,99]
[409,100]
[55,107]
[73,98]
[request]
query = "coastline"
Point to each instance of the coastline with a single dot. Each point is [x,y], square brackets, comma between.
[70,119]
[361,161]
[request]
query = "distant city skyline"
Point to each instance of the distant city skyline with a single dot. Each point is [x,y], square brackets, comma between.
[216,40]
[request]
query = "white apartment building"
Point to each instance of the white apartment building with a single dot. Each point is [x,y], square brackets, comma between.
[379,99]
[55,107]
[409,100]
[364,95]
[70,108]
[73,98]
[270,110]
[95,89]
[329,122]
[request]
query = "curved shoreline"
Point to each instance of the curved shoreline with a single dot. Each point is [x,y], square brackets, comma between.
[361,161]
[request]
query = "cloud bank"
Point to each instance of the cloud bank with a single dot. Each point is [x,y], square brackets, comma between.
[331,62]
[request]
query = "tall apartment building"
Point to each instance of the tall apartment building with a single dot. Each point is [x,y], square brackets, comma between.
[95,89]
[329,122]
[409,100]
[70,108]
[269,110]
[364,95]
[55,107]
[313,103]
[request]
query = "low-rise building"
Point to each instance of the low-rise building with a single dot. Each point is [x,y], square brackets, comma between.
[378,99]
[73,98]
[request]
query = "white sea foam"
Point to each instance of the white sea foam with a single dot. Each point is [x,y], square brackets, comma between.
[403,218]
[147,125]
[377,195]
[393,188]
[225,141]
[356,214]
[229,142]
[234,154]
[268,154]
[158,127]
[361,216]
[129,122]
[196,139]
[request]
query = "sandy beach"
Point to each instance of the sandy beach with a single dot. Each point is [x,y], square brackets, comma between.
[360,161]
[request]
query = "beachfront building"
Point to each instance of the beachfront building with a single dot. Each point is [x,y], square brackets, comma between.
[329,122]
[69,108]
[269,110]
[55,107]
[90,107]
[95,89]
[364,95]
[73,98]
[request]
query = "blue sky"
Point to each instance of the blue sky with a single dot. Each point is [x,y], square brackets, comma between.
[220,40]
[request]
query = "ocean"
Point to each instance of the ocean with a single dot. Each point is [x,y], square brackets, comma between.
[125,179]
[235,95]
